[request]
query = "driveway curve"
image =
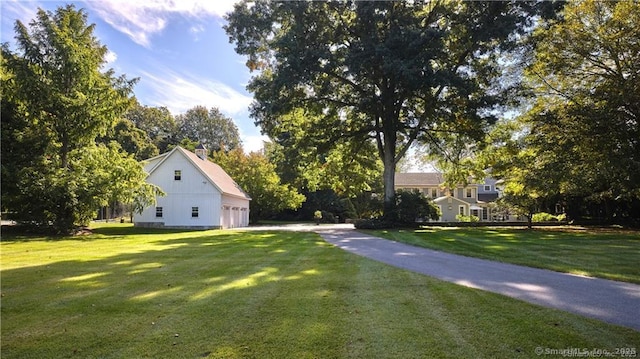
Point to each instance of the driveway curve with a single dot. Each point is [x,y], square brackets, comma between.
[606,300]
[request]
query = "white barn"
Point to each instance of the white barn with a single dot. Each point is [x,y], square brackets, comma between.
[199,193]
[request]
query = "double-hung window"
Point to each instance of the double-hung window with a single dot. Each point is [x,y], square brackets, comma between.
[177,175]
[194,212]
[158,212]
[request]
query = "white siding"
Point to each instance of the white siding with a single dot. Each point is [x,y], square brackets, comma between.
[193,190]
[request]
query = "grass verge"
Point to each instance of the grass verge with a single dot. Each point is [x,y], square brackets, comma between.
[123,293]
[609,254]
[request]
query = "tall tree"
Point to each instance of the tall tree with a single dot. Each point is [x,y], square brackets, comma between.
[347,168]
[210,127]
[584,125]
[61,100]
[61,79]
[257,176]
[157,122]
[133,140]
[388,72]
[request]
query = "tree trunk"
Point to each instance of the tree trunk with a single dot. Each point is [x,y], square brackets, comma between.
[389,173]
[389,183]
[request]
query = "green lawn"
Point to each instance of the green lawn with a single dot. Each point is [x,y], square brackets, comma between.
[610,254]
[120,293]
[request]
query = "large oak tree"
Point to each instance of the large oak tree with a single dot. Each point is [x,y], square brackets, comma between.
[392,73]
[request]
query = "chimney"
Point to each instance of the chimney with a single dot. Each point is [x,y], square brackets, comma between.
[201,152]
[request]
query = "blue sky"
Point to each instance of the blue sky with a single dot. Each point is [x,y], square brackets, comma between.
[177,49]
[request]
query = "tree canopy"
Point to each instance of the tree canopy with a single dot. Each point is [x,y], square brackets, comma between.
[257,176]
[59,100]
[580,137]
[389,73]
[209,127]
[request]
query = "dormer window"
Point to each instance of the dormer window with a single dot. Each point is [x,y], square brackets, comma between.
[177,175]
[487,188]
[469,193]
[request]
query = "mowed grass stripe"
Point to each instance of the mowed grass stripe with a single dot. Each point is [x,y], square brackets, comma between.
[120,293]
[611,254]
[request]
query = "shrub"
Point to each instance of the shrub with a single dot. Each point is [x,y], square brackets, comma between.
[462,218]
[411,206]
[328,217]
[543,217]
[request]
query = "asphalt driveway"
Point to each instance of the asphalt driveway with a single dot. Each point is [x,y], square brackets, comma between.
[606,300]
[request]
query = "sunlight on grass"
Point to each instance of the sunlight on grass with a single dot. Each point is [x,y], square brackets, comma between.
[156,294]
[125,293]
[141,268]
[599,253]
[85,277]
[266,275]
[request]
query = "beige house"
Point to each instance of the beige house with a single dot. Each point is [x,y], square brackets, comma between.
[474,199]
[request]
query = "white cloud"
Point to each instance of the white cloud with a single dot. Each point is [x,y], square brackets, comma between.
[110,57]
[19,10]
[196,29]
[253,143]
[180,92]
[142,19]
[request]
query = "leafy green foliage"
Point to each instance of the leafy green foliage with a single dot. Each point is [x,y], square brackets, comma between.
[63,199]
[60,78]
[256,175]
[471,219]
[346,168]
[326,201]
[61,99]
[543,217]
[132,140]
[209,127]
[412,206]
[157,123]
[386,74]
[584,126]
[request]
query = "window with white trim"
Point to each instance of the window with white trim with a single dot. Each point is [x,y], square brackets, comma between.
[487,188]
[461,210]
[469,193]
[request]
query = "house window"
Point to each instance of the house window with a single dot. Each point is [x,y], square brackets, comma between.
[177,175]
[194,212]
[469,193]
[434,193]
[485,214]
[461,210]
[158,212]
[487,188]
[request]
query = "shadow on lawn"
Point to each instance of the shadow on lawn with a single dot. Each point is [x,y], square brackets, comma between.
[193,265]
[174,282]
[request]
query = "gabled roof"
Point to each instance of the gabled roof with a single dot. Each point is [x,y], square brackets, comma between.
[214,173]
[446,198]
[419,179]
